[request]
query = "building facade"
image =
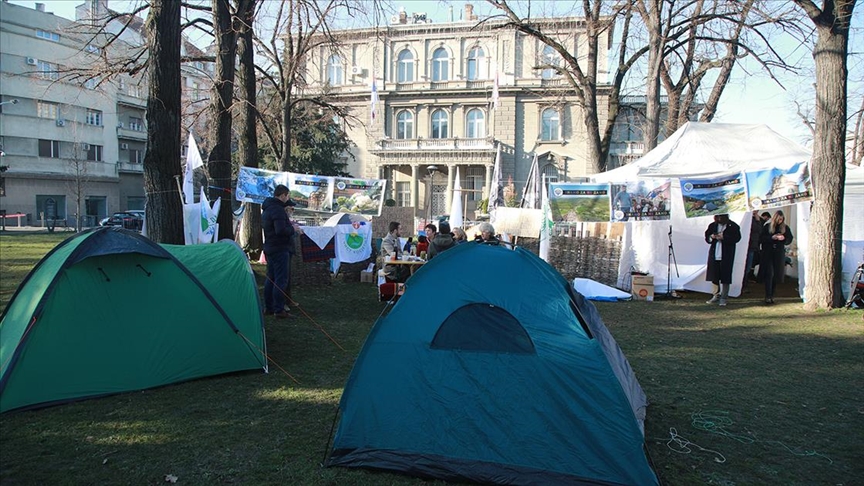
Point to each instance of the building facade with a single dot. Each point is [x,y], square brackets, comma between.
[74,145]
[449,97]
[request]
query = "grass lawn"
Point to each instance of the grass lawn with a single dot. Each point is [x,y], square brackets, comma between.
[740,395]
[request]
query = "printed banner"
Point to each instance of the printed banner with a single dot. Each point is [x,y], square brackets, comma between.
[519,221]
[645,200]
[314,193]
[362,196]
[715,195]
[774,188]
[310,192]
[255,185]
[583,203]
[353,243]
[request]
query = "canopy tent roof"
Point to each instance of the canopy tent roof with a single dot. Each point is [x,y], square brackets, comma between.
[705,149]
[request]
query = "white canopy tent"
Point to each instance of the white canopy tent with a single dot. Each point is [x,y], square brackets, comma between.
[694,150]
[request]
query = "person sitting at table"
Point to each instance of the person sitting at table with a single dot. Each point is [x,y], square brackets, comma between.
[422,244]
[459,236]
[442,241]
[487,234]
[392,250]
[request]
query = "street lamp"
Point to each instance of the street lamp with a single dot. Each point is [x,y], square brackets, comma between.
[14,102]
[432,169]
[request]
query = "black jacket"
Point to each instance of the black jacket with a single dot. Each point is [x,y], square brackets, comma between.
[278,230]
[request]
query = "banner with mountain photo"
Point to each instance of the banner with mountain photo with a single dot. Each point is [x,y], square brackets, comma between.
[706,196]
[254,185]
[311,192]
[774,188]
[361,196]
[643,200]
[579,202]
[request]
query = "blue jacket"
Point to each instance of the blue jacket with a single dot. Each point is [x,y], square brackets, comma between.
[278,230]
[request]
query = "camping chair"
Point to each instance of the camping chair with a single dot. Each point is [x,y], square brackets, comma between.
[390,291]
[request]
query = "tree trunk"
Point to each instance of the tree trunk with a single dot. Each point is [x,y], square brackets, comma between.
[250,238]
[652,15]
[219,161]
[287,106]
[162,160]
[827,168]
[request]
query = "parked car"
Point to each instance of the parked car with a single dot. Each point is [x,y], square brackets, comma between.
[132,220]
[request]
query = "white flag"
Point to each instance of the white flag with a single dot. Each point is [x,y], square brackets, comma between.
[546,229]
[193,161]
[207,220]
[374,111]
[456,205]
[531,193]
[496,189]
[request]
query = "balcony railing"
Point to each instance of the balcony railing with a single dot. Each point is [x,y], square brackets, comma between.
[437,144]
[131,100]
[131,134]
[627,147]
[125,166]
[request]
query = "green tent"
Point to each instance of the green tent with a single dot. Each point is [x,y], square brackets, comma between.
[506,376]
[109,311]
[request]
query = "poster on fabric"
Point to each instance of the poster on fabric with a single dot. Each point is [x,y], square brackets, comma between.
[706,196]
[361,196]
[256,185]
[644,200]
[579,202]
[310,191]
[352,243]
[774,188]
[523,222]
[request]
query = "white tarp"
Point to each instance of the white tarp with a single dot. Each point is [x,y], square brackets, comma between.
[593,290]
[696,149]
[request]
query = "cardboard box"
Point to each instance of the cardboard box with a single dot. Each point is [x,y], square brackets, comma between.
[367,276]
[642,287]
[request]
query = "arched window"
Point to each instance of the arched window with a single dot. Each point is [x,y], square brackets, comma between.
[549,57]
[440,122]
[405,67]
[334,70]
[551,125]
[440,65]
[404,125]
[475,124]
[476,61]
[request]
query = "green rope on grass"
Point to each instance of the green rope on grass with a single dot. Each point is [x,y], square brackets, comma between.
[717,421]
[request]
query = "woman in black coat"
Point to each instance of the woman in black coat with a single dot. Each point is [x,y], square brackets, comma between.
[723,234]
[776,236]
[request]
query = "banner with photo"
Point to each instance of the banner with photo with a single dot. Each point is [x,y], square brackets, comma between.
[314,193]
[311,192]
[579,202]
[706,196]
[255,185]
[774,188]
[362,196]
[643,200]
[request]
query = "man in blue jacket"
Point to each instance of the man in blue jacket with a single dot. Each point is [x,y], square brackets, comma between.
[279,234]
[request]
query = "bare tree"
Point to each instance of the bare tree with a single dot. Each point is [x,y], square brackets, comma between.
[162,160]
[827,167]
[80,178]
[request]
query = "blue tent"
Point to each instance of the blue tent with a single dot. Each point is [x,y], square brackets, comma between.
[507,377]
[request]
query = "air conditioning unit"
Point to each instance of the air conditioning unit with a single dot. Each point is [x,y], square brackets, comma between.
[32,61]
[357,70]
[85,146]
[124,146]
[394,19]
[61,122]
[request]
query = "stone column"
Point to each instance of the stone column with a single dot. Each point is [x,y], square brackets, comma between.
[415,187]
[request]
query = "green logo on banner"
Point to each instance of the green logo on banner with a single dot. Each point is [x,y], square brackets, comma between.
[354,241]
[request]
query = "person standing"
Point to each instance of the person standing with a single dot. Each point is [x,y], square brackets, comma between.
[722,235]
[623,202]
[776,236]
[756,224]
[443,240]
[279,234]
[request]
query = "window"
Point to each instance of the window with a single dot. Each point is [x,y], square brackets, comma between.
[45,109]
[405,67]
[135,91]
[334,70]
[91,83]
[474,181]
[196,91]
[476,61]
[136,124]
[440,63]
[44,34]
[440,121]
[48,71]
[49,148]
[475,124]
[549,57]
[550,174]
[136,156]
[404,125]
[94,153]
[94,117]
[403,194]
[551,125]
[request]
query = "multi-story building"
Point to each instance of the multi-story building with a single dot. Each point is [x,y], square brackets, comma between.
[73,146]
[450,95]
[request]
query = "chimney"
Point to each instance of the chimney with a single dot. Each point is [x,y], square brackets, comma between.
[403,16]
[40,7]
[469,13]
